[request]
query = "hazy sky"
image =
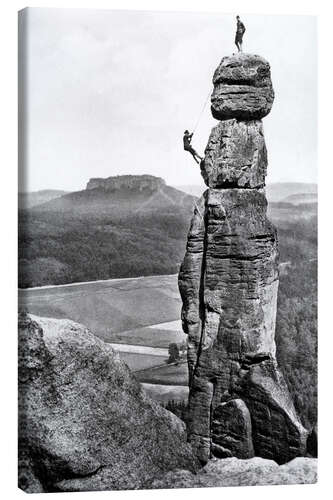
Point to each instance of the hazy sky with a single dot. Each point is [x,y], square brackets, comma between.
[111,92]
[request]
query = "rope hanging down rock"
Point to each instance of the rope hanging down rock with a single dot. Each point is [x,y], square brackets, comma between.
[201,112]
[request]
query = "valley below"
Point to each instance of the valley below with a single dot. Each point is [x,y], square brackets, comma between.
[108,257]
[138,317]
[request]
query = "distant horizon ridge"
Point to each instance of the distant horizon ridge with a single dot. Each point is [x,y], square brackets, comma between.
[177,186]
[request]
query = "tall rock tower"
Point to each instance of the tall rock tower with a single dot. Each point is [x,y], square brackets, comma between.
[239,404]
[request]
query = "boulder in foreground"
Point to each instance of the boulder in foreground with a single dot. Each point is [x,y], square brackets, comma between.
[84,421]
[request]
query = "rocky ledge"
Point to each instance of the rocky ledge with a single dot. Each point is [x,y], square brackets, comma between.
[235,472]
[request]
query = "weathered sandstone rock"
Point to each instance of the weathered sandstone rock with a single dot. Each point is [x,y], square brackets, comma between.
[235,472]
[231,307]
[84,421]
[190,283]
[242,88]
[232,430]
[276,430]
[239,403]
[241,273]
[235,155]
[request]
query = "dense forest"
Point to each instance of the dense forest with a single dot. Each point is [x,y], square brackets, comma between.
[64,247]
[296,337]
[61,248]
[296,326]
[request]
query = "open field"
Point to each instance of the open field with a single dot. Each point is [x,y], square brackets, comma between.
[139,317]
[158,335]
[165,393]
[110,306]
[141,361]
[139,357]
[140,349]
[165,375]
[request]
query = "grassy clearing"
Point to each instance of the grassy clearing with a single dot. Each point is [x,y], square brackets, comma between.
[109,307]
[141,361]
[148,336]
[166,375]
[165,393]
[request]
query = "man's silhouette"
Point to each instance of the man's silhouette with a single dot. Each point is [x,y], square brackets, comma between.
[239,34]
[187,145]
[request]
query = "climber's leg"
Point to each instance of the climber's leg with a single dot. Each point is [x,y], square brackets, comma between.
[194,156]
[237,44]
[193,153]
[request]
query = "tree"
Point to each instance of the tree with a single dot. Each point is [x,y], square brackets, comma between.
[173,352]
[178,408]
[182,348]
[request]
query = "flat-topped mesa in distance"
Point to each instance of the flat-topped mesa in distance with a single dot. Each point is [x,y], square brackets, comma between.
[117,182]
[242,88]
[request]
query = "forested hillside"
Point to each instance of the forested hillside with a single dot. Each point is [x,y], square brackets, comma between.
[56,249]
[296,322]
[122,231]
[296,336]
[28,200]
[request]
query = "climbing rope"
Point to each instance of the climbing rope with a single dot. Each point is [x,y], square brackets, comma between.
[201,112]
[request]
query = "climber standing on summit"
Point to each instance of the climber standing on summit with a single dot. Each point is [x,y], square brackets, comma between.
[187,145]
[239,34]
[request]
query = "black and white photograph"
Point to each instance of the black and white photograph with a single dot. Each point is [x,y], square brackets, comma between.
[167,249]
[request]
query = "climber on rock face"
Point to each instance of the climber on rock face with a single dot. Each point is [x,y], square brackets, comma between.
[239,34]
[187,145]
